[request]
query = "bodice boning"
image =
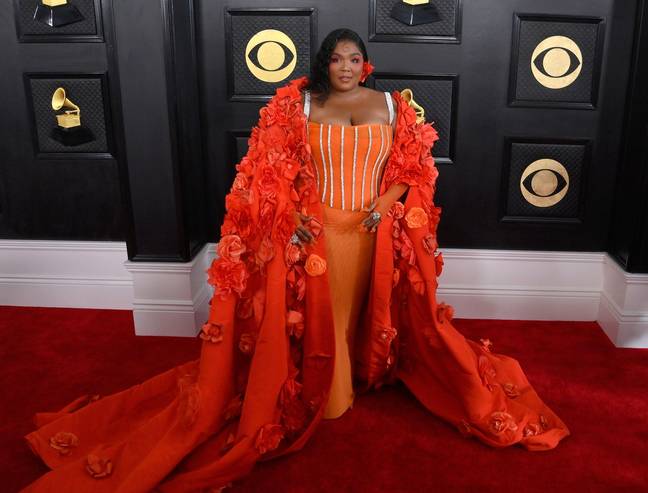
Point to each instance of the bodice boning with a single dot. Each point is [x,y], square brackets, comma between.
[349,159]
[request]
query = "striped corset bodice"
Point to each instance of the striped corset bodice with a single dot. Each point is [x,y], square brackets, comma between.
[349,161]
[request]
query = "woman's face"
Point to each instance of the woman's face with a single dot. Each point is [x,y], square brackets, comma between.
[345,66]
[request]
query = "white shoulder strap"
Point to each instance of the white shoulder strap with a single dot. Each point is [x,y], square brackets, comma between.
[390,105]
[307,104]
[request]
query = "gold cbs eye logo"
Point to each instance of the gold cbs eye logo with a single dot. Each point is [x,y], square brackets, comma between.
[544,183]
[556,62]
[271,55]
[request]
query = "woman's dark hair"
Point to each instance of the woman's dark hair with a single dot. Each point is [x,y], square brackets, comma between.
[319,75]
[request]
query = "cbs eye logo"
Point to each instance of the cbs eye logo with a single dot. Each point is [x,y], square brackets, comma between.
[544,183]
[270,55]
[556,62]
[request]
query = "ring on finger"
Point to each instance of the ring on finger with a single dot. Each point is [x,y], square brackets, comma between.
[295,239]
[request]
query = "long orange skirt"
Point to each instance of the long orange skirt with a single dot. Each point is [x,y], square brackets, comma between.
[349,252]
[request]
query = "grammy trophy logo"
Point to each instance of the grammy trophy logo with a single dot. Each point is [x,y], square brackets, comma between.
[57,13]
[69,131]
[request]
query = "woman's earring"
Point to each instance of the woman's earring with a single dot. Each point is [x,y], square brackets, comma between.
[367,68]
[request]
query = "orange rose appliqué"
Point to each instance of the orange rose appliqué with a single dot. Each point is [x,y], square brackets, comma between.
[315,265]
[63,442]
[268,438]
[416,218]
[212,332]
[97,467]
[501,421]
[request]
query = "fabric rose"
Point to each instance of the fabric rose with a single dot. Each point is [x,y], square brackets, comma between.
[487,372]
[445,312]
[430,243]
[97,467]
[63,442]
[438,264]
[227,276]
[404,244]
[395,277]
[501,421]
[486,345]
[388,334]
[415,279]
[416,218]
[295,323]
[268,438]
[212,332]
[294,416]
[292,254]
[240,182]
[247,343]
[397,210]
[315,265]
[367,69]
[296,281]
[511,390]
[265,252]
[531,429]
[244,308]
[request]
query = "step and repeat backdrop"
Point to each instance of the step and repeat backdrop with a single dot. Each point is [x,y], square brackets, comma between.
[515,96]
[528,98]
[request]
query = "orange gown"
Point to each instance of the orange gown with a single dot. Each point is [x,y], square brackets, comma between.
[266,373]
[348,161]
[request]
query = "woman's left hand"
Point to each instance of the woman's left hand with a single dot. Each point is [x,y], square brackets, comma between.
[381,205]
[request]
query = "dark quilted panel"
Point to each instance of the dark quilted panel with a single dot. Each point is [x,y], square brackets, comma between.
[297,27]
[445,27]
[571,156]
[29,26]
[531,34]
[436,97]
[87,95]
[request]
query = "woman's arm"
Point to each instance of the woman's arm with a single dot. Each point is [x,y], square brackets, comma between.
[384,203]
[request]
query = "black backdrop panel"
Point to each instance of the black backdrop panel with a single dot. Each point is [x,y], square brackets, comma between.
[384,27]
[85,92]
[243,25]
[568,176]
[437,95]
[578,57]
[32,30]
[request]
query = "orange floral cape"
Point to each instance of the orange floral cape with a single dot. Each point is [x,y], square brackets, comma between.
[261,383]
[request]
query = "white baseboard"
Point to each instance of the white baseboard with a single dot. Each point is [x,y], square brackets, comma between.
[68,274]
[172,299]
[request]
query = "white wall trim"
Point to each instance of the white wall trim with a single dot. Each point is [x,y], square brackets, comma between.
[173,298]
[69,274]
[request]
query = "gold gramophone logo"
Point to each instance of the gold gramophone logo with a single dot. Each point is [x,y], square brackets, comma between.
[544,183]
[57,13]
[69,131]
[271,55]
[408,96]
[556,62]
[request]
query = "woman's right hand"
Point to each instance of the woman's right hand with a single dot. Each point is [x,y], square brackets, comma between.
[302,232]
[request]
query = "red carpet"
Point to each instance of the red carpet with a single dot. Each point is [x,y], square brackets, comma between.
[51,356]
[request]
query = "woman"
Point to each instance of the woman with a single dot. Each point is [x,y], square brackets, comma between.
[318,261]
